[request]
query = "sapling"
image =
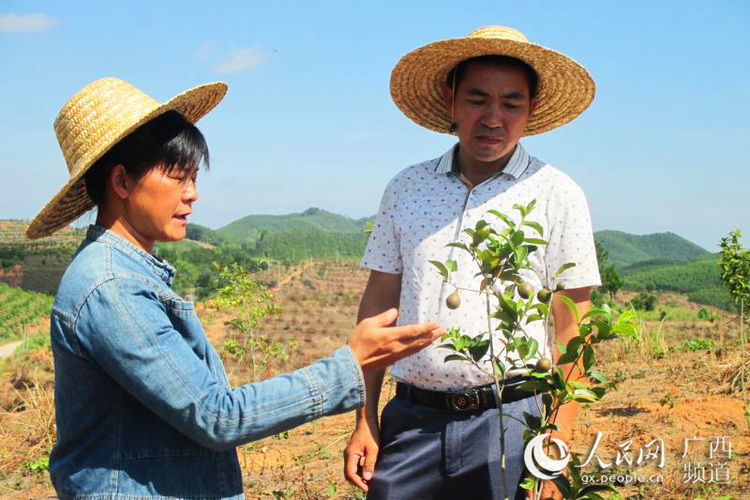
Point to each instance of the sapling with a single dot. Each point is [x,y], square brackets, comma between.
[501,255]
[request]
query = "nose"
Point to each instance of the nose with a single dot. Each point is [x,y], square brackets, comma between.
[190,192]
[493,116]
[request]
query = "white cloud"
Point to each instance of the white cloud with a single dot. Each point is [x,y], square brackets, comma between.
[25,23]
[242,59]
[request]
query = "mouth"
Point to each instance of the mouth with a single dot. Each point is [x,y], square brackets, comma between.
[489,139]
[182,217]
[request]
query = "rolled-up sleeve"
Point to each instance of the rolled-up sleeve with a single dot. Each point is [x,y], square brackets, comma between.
[571,237]
[128,332]
[383,252]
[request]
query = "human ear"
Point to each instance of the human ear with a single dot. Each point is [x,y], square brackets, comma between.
[448,100]
[119,181]
[532,105]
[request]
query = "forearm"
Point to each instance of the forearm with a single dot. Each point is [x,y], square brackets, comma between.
[373,384]
[566,328]
[329,386]
[382,293]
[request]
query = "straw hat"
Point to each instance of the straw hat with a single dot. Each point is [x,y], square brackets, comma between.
[417,81]
[92,122]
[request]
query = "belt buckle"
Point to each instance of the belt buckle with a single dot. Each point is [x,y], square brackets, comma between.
[464,401]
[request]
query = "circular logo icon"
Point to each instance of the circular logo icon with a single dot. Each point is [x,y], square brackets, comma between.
[536,458]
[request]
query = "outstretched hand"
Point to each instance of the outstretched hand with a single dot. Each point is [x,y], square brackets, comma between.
[378,345]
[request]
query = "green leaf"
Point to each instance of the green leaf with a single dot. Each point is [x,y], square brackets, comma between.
[588,358]
[535,241]
[530,206]
[503,217]
[563,485]
[517,239]
[535,225]
[596,312]
[533,347]
[451,265]
[571,305]
[521,254]
[520,208]
[478,351]
[599,391]
[532,421]
[503,316]
[508,305]
[599,377]
[499,369]
[532,317]
[534,385]
[528,483]
[584,395]
[454,357]
[462,246]
[562,269]
[441,267]
[562,347]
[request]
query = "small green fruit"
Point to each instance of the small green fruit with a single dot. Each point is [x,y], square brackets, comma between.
[544,296]
[543,365]
[560,286]
[525,290]
[453,300]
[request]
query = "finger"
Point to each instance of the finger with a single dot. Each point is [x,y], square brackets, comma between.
[352,463]
[385,318]
[415,331]
[369,467]
[438,332]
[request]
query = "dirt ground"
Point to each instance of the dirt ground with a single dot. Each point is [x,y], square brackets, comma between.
[668,390]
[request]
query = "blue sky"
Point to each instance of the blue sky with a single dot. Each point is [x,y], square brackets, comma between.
[308,120]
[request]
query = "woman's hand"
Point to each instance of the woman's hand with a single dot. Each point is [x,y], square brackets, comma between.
[378,345]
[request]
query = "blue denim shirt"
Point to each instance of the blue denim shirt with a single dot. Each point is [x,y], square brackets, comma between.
[143,405]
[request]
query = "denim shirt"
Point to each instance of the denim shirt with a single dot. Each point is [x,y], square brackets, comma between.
[143,404]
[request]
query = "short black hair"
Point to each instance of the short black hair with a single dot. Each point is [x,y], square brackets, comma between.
[460,70]
[168,142]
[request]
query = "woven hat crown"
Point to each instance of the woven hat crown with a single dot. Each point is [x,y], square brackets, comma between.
[98,112]
[502,32]
[95,119]
[565,88]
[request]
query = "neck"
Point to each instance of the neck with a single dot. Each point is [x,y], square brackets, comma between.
[477,171]
[119,225]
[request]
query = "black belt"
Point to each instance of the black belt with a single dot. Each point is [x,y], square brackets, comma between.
[474,399]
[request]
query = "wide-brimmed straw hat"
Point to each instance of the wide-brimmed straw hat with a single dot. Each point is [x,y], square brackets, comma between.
[417,81]
[92,122]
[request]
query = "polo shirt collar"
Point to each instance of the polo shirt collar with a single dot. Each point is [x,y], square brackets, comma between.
[517,164]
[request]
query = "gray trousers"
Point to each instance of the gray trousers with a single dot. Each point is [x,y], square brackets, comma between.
[428,453]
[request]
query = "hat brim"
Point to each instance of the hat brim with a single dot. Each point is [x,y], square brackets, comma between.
[72,200]
[565,87]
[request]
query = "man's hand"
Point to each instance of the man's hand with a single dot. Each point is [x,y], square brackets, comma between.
[361,453]
[377,345]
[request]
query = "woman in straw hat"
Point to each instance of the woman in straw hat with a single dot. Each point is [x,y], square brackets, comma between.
[439,437]
[143,405]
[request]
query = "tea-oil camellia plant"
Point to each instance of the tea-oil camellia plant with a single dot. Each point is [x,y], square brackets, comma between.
[500,257]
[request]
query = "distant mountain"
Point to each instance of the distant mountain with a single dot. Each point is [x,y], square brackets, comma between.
[628,249]
[252,228]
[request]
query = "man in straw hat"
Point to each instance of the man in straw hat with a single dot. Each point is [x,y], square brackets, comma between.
[438,438]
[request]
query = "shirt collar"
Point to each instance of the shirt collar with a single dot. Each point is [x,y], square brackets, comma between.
[161,267]
[516,165]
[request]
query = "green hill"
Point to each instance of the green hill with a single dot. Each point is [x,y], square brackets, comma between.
[252,228]
[627,249]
